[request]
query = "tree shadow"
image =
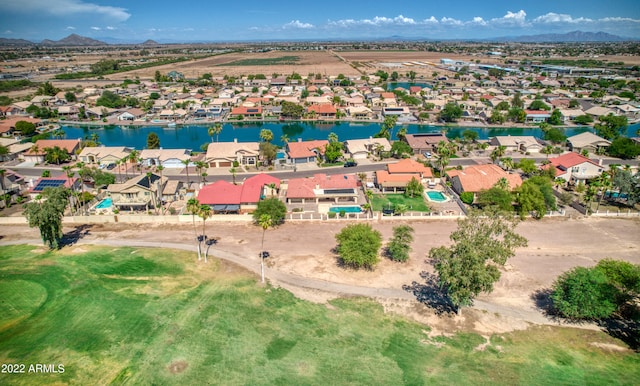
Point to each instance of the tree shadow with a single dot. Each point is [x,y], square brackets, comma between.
[626,330]
[71,238]
[431,295]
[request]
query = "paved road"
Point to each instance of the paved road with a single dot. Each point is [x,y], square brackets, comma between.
[309,283]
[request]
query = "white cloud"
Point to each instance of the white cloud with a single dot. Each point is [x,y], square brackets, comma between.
[8,32]
[110,28]
[65,8]
[618,20]
[560,18]
[479,20]
[96,28]
[517,18]
[431,20]
[70,28]
[376,21]
[450,21]
[297,24]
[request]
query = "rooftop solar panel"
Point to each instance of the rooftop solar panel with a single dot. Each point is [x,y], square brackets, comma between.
[48,184]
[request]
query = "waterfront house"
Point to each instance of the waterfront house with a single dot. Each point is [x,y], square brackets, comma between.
[38,151]
[423,142]
[103,155]
[587,141]
[363,148]
[224,154]
[323,110]
[167,158]
[536,116]
[521,143]
[225,197]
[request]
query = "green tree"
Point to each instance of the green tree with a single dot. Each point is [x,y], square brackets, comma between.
[530,199]
[584,293]
[193,206]
[400,245]
[413,188]
[358,245]
[555,118]
[497,153]
[400,148]
[623,147]
[47,215]
[273,207]
[470,136]
[268,151]
[497,117]
[204,212]
[516,114]
[292,110]
[444,150]
[153,141]
[611,126]
[467,197]
[70,97]
[47,89]
[517,101]
[554,135]
[502,106]
[394,76]
[266,135]
[527,166]
[539,105]
[215,129]
[496,197]
[482,243]
[110,99]
[583,120]
[25,128]
[333,150]
[451,112]
[56,155]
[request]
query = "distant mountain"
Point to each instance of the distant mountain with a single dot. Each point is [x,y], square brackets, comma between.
[15,42]
[150,43]
[573,36]
[73,40]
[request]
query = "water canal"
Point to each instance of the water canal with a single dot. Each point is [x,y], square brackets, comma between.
[194,136]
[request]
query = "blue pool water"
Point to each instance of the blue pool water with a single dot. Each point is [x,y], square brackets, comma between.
[436,196]
[104,204]
[346,209]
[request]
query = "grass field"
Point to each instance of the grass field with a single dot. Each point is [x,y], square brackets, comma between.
[136,316]
[416,204]
[264,61]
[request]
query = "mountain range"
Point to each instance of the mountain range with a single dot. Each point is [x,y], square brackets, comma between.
[574,36]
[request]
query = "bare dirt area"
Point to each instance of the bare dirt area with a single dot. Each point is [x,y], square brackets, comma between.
[323,62]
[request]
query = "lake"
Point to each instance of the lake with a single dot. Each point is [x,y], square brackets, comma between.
[193,137]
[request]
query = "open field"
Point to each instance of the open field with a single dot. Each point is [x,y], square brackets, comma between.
[127,315]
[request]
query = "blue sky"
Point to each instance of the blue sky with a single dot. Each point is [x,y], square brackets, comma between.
[213,20]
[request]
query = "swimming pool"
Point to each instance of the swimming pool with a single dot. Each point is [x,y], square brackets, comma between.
[104,204]
[346,209]
[436,196]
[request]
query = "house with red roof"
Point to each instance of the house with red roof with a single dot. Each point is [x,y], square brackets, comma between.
[246,112]
[36,188]
[574,168]
[399,174]
[38,151]
[305,151]
[323,110]
[322,187]
[225,197]
[481,177]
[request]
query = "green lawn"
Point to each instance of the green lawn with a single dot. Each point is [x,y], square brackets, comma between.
[141,316]
[416,204]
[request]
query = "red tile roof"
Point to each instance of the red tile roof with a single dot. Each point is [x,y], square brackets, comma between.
[322,108]
[246,110]
[567,161]
[409,166]
[304,149]
[384,178]
[70,145]
[304,187]
[225,193]
[480,177]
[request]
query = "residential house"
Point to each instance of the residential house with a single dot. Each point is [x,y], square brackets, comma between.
[359,112]
[224,154]
[587,141]
[481,177]
[8,126]
[323,110]
[224,197]
[321,187]
[424,142]
[597,111]
[568,115]
[363,148]
[246,112]
[536,116]
[11,183]
[131,115]
[305,151]
[138,193]
[521,143]
[103,155]
[399,174]
[38,151]
[574,168]
[167,158]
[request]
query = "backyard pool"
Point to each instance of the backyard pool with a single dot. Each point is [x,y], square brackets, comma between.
[436,196]
[346,209]
[105,204]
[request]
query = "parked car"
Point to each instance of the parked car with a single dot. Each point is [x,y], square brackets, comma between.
[350,164]
[427,154]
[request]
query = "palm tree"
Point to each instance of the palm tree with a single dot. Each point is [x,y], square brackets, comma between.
[402,133]
[604,182]
[186,163]
[547,150]
[153,195]
[159,169]
[498,152]
[233,172]
[133,156]
[445,150]
[69,173]
[507,163]
[82,172]
[215,129]
[265,221]
[193,206]
[284,138]
[204,211]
